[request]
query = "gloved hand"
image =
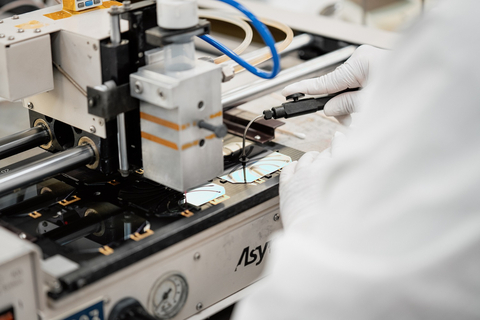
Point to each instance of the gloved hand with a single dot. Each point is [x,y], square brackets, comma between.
[354,73]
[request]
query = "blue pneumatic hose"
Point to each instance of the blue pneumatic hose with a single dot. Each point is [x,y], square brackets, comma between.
[264,33]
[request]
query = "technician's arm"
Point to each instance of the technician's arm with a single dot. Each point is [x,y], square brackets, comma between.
[354,73]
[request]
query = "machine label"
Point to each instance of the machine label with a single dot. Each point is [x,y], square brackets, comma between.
[250,256]
[94,312]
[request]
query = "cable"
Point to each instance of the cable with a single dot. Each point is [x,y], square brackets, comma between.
[232,20]
[69,78]
[264,33]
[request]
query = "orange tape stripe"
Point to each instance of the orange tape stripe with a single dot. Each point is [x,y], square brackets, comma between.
[159,121]
[210,137]
[215,115]
[158,140]
[189,145]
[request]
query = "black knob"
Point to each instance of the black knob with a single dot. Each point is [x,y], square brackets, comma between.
[129,309]
[220,131]
[295,96]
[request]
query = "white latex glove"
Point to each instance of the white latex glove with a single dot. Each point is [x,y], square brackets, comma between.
[354,73]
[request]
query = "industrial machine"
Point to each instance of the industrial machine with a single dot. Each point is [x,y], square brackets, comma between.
[140,207]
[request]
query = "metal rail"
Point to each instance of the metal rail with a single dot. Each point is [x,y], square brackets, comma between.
[40,169]
[22,141]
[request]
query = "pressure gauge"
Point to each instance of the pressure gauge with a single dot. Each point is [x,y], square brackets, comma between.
[168,296]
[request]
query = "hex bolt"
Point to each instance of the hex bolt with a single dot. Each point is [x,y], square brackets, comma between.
[37,30]
[20,30]
[15,17]
[11,38]
[199,306]
[276,217]
[138,87]
[93,129]
[30,105]
[196,256]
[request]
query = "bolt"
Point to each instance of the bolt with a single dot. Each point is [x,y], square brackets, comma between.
[15,17]
[2,35]
[45,223]
[196,256]
[20,30]
[140,54]
[95,47]
[91,103]
[138,87]
[114,9]
[160,93]
[37,30]
[127,4]
[56,287]
[106,300]
[22,236]
[1,21]
[276,217]
[97,193]
[30,105]
[199,306]
[11,38]
[257,137]
[93,129]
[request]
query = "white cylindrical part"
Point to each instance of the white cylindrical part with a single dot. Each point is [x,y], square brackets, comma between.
[177,14]
[179,56]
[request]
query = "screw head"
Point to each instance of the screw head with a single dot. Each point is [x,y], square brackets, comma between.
[15,17]
[20,30]
[22,236]
[95,47]
[199,306]
[30,105]
[37,30]
[11,38]
[257,137]
[2,35]
[45,223]
[1,21]
[91,103]
[93,129]
[140,54]
[160,93]
[127,4]
[276,217]
[138,87]
[114,9]
[196,256]
[100,122]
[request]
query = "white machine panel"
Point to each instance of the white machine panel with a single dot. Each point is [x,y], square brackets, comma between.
[18,278]
[26,68]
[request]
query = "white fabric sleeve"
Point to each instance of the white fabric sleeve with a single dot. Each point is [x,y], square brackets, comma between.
[392,229]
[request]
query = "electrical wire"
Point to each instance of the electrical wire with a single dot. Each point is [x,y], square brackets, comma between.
[208,14]
[69,78]
[264,33]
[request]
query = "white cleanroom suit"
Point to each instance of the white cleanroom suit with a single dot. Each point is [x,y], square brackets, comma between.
[390,227]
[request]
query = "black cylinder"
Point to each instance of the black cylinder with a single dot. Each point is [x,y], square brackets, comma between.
[22,141]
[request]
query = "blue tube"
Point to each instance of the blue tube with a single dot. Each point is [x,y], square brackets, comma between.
[264,33]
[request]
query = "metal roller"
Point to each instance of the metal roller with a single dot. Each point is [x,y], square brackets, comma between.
[40,169]
[24,140]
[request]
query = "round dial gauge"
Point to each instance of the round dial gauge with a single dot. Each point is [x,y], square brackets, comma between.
[168,296]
